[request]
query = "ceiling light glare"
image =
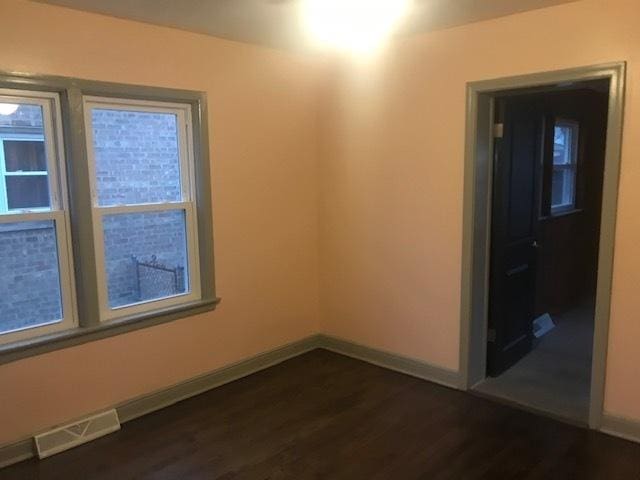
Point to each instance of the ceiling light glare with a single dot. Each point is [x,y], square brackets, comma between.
[357,26]
[8,108]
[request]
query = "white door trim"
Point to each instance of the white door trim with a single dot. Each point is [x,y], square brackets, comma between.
[477,219]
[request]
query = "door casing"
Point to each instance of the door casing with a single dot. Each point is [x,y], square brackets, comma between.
[476,239]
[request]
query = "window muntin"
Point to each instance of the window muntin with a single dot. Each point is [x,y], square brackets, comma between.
[36,287]
[129,210]
[565,166]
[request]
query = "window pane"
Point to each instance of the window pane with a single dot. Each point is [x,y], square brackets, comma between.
[25,156]
[145,256]
[562,145]
[29,276]
[136,157]
[24,192]
[563,187]
[24,119]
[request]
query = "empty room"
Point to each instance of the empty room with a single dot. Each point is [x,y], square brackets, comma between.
[319,239]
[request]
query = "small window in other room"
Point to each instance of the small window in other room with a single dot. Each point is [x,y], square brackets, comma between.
[565,166]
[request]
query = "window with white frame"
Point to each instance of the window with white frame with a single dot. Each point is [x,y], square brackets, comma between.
[565,166]
[36,287]
[143,204]
[100,223]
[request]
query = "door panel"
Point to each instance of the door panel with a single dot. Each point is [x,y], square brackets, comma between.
[515,209]
[520,189]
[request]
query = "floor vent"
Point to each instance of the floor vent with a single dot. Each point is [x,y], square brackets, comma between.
[543,325]
[82,431]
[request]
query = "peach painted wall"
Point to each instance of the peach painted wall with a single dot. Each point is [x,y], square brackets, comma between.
[381,144]
[263,121]
[392,170]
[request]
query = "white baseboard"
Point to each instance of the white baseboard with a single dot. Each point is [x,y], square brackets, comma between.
[131,409]
[137,407]
[140,406]
[392,361]
[16,452]
[621,427]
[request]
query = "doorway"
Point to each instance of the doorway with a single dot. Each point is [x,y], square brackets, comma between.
[545,225]
[541,179]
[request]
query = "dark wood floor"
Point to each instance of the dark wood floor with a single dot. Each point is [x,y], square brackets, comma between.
[325,416]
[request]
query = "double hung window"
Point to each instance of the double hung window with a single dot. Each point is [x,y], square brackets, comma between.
[143,204]
[36,287]
[104,209]
[565,166]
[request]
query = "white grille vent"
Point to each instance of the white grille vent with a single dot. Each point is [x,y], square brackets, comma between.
[83,431]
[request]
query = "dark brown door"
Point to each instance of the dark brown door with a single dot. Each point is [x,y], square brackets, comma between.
[516,175]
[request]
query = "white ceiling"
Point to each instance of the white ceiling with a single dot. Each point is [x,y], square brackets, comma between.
[275,23]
